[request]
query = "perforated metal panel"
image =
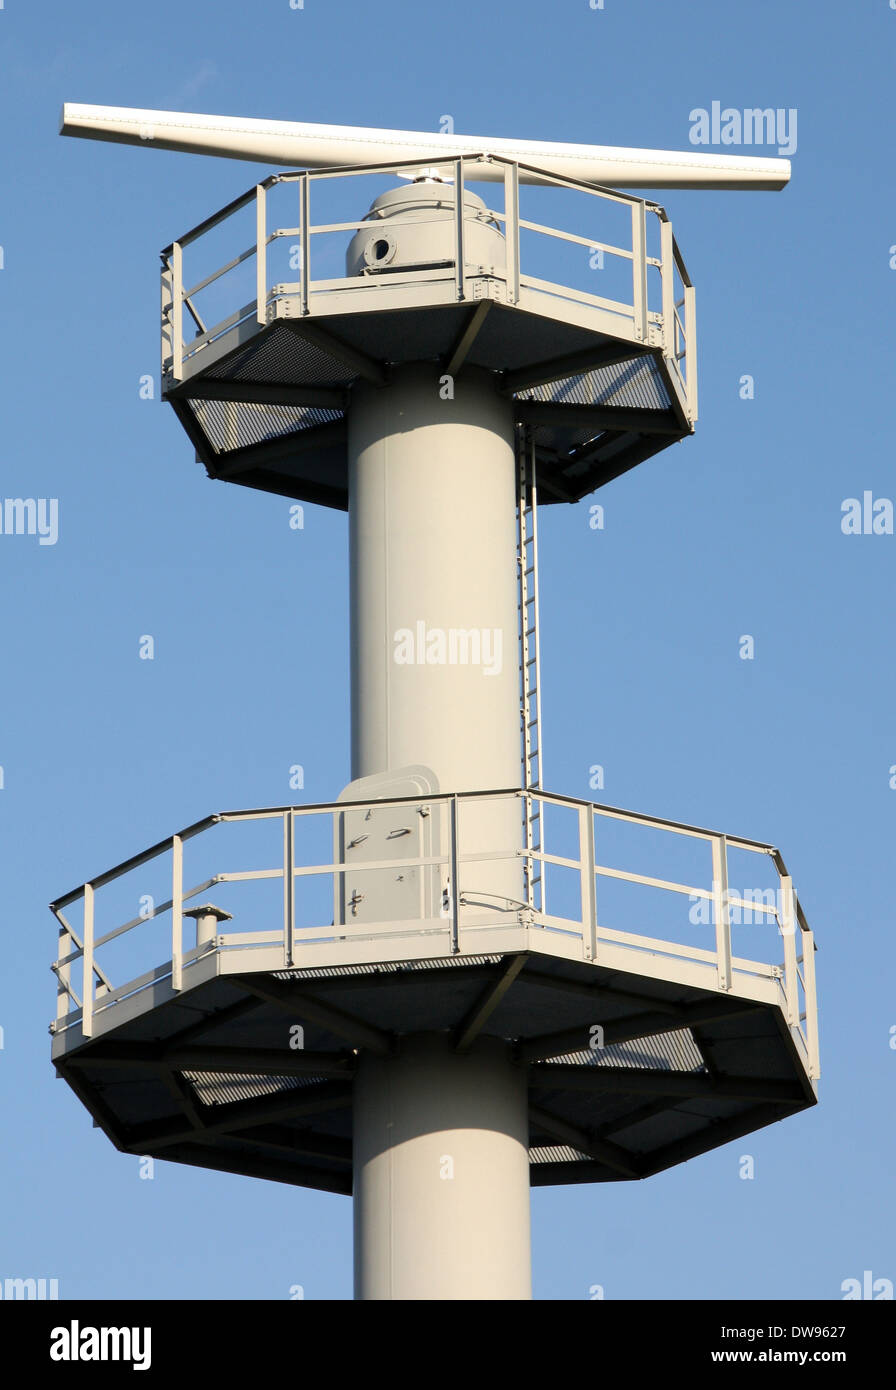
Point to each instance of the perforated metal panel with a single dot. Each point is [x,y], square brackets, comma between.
[385,969]
[665,1052]
[637,384]
[230,425]
[221,1088]
[589,426]
[280,355]
[558,1153]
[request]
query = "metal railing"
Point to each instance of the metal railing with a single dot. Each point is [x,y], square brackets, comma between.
[580,918]
[671,327]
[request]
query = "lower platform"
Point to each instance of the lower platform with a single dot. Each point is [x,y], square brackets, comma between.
[239,1054]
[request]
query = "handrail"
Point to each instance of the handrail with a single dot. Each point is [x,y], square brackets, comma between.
[463,908]
[311,808]
[637,322]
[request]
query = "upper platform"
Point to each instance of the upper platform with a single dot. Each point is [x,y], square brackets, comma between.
[575,298]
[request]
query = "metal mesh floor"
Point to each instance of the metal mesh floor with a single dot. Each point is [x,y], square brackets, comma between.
[271,413]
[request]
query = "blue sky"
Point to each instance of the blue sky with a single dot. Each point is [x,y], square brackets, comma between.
[736,531]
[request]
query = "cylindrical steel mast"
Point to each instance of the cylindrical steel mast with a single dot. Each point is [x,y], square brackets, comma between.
[440,1138]
[441,1164]
[434,584]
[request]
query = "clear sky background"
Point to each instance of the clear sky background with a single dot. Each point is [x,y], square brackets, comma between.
[736,531]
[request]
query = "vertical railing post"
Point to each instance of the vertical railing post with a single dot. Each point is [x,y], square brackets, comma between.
[454,894]
[459,226]
[167,303]
[63,978]
[690,333]
[177,312]
[589,886]
[261,254]
[536,605]
[528,862]
[289,885]
[639,269]
[668,274]
[542,848]
[87,998]
[512,229]
[788,933]
[720,906]
[811,1004]
[177,902]
[305,237]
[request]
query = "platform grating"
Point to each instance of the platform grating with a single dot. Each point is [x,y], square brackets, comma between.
[281,355]
[560,1153]
[676,1051]
[221,1088]
[230,425]
[637,384]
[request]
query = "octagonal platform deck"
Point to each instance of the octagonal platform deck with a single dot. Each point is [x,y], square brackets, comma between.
[641,1050]
[605,380]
